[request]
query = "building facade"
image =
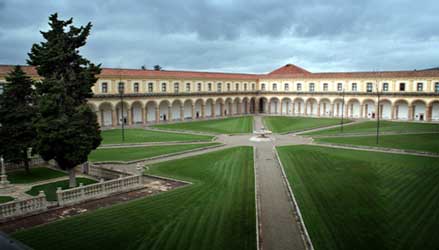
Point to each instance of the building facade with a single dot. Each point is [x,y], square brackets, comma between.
[141,97]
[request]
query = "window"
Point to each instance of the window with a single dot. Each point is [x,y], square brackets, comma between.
[253,86]
[2,88]
[176,87]
[163,87]
[263,86]
[274,87]
[136,87]
[369,87]
[299,87]
[209,86]
[121,87]
[436,87]
[150,87]
[420,87]
[104,87]
[245,86]
[311,87]
[228,86]
[385,87]
[287,87]
[199,86]
[339,86]
[402,86]
[237,86]
[218,87]
[188,87]
[354,86]
[325,87]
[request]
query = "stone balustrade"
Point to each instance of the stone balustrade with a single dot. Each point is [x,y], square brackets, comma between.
[98,190]
[23,207]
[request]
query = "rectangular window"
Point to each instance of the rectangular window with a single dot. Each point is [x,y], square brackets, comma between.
[150,87]
[199,87]
[339,86]
[263,86]
[436,87]
[311,87]
[245,86]
[369,87]
[325,87]
[420,87]
[385,87]
[287,87]
[354,86]
[253,86]
[237,86]
[163,87]
[228,86]
[402,86]
[136,87]
[274,87]
[121,87]
[209,86]
[104,88]
[176,87]
[188,87]
[299,87]
[218,87]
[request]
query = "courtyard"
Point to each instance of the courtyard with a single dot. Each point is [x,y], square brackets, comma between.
[309,185]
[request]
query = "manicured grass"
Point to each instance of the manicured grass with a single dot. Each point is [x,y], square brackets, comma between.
[282,124]
[136,153]
[36,174]
[114,136]
[50,188]
[420,142]
[234,125]
[365,200]
[217,211]
[385,126]
[4,199]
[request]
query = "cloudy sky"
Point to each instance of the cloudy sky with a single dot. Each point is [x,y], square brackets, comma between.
[253,36]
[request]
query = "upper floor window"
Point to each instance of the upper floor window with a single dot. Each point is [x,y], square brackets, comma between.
[253,86]
[402,86]
[420,86]
[354,86]
[237,86]
[121,87]
[136,87]
[228,86]
[150,87]
[104,87]
[2,88]
[245,86]
[274,87]
[325,87]
[311,87]
[263,86]
[369,87]
[209,86]
[299,87]
[188,87]
[339,86]
[218,87]
[287,87]
[199,86]
[163,87]
[176,87]
[436,87]
[385,87]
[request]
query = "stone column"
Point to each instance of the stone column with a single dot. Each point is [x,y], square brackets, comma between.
[193,111]
[182,113]
[239,108]
[361,111]
[299,108]
[393,112]
[222,109]
[203,110]
[169,113]
[428,113]
[410,112]
[294,108]
[212,110]
[332,113]
[306,109]
[318,109]
[157,114]
[114,117]
[144,115]
[247,107]
[129,116]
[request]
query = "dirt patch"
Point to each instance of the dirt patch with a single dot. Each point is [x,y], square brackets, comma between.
[57,213]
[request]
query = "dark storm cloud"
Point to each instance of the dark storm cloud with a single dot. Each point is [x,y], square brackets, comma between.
[241,36]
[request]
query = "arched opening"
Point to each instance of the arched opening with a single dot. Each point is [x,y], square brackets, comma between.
[187,109]
[263,105]
[218,107]
[209,108]
[274,106]
[401,110]
[311,107]
[353,108]
[122,113]
[419,110]
[252,105]
[434,110]
[176,110]
[228,107]
[339,108]
[198,105]
[369,109]
[235,106]
[385,109]
[325,107]
[151,107]
[164,109]
[106,110]
[245,109]
[286,106]
[136,109]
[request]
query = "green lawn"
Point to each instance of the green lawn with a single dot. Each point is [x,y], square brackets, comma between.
[114,136]
[234,125]
[36,174]
[282,124]
[50,188]
[420,142]
[216,212]
[4,199]
[136,153]
[361,200]
[385,126]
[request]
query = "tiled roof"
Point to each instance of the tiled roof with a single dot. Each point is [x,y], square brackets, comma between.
[287,71]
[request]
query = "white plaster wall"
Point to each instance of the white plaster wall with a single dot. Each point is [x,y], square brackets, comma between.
[403,112]
[175,111]
[387,111]
[435,112]
[187,110]
[150,112]
[137,114]
[107,117]
[419,109]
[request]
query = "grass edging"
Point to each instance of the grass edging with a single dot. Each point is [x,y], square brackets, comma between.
[158,156]
[157,143]
[257,205]
[305,235]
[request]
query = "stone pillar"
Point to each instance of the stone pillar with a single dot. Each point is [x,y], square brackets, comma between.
[269,107]
[212,110]
[157,114]
[361,111]
[114,117]
[222,109]
[99,117]
[239,108]
[318,109]
[247,107]
[294,108]
[182,113]
[306,109]
[193,111]
[428,113]
[410,112]
[169,113]
[393,112]
[299,108]
[203,110]
[130,116]
[332,113]
[143,115]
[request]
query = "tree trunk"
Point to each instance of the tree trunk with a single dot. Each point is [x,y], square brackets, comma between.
[26,166]
[72,178]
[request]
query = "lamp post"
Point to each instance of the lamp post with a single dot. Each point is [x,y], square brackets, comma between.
[342,111]
[121,91]
[379,112]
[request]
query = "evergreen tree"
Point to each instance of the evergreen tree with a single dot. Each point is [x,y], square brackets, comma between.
[67,129]
[16,114]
